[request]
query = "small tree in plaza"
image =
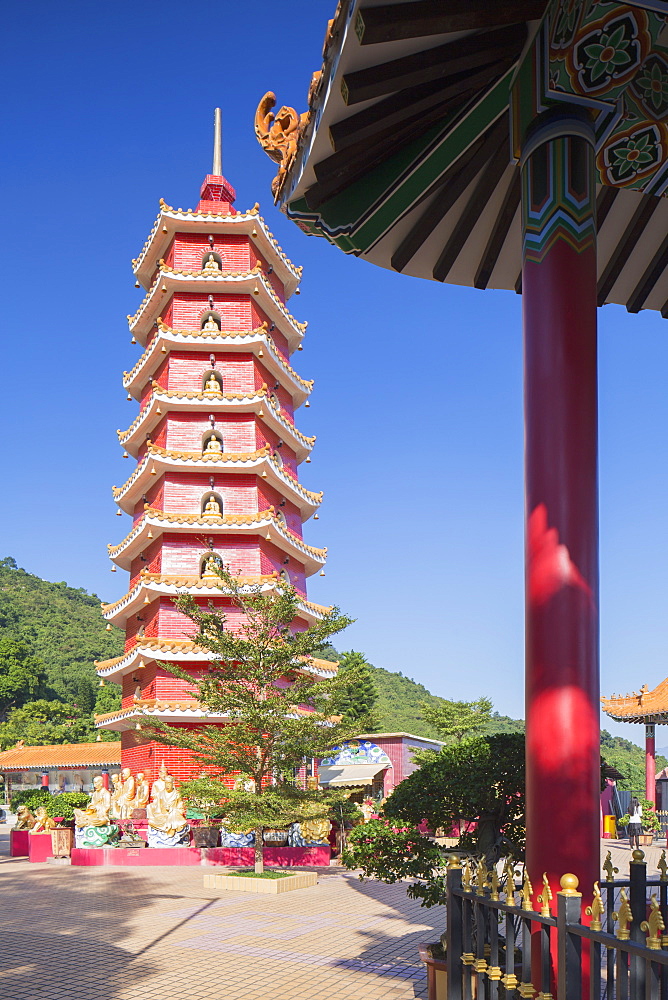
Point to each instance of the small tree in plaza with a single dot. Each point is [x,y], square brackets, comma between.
[454,721]
[279,711]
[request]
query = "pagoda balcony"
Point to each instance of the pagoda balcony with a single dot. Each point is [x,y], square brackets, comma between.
[153,523]
[171,221]
[260,402]
[182,710]
[262,462]
[252,283]
[150,586]
[187,653]
[257,341]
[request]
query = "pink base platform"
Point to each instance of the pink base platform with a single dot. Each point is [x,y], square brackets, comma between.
[39,846]
[19,841]
[284,857]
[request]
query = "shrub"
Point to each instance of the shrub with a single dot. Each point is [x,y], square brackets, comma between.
[30,797]
[64,805]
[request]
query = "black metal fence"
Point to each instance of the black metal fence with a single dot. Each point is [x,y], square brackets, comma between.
[498,944]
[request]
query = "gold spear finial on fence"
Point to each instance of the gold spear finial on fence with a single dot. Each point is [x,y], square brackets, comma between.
[510,883]
[596,910]
[526,892]
[545,897]
[494,884]
[481,877]
[624,916]
[609,868]
[663,867]
[653,926]
[466,875]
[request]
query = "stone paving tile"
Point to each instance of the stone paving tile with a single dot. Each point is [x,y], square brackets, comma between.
[140,934]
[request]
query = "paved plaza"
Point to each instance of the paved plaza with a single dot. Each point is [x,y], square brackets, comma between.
[139,934]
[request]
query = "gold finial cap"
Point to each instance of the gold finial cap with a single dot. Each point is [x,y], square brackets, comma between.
[638,855]
[453,861]
[569,885]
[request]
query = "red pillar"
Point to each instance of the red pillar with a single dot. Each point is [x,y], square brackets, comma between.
[45,779]
[650,764]
[562,674]
[105,779]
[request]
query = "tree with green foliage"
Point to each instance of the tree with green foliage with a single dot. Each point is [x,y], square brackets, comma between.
[61,625]
[358,691]
[108,699]
[21,674]
[455,720]
[41,722]
[478,780]
[629,759]
[272,726]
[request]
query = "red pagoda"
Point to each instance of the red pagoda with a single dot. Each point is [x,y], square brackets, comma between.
[217,453]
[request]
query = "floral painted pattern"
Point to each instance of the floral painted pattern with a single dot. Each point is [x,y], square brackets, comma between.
[610,51]
[651,87]
[609,54]
[628,157]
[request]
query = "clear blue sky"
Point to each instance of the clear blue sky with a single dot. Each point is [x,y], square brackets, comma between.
[418,400]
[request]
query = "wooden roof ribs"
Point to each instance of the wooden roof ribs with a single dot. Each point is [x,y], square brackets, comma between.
[422,68]
[487,182]
[393,22]
[634,230]
[452,185]
[499,232]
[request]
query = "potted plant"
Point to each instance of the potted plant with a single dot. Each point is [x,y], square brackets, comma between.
[61,809]
[198,793]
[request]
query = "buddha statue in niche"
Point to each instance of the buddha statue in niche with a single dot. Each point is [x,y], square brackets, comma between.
[212,385]
[212,566]
[211,264]
[211,324]
[212,508]
[213,446]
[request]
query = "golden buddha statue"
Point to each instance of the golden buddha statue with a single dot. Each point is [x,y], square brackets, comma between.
[116,793]
[211,324]
[211,567]
[159,784]
[212,385]
[96,812]
[213,446]
[212,508]
[211,264]
[43,823]
[127,794]
[141,793]
[315,830]
[167,811]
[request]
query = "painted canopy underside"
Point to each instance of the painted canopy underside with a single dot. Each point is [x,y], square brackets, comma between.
[415,172]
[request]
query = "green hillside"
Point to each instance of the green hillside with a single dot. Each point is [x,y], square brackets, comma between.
[61,624]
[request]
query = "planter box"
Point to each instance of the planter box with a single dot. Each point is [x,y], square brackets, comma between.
[646,839]
[39,847]
[205,836]
[437,974]
[238,883]
[18,843]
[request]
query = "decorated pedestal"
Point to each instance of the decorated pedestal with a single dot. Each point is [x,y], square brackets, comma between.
[18,843]
[96,836]
[161,838]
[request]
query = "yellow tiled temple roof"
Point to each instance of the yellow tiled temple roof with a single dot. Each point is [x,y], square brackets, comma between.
[218,521]
[639,706]
[307,384]
[251,213]
[255,272]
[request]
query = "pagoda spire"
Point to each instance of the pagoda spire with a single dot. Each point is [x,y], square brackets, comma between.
[217,170]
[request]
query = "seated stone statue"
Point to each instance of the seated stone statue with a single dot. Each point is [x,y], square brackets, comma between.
[212,508]
[43,822]
[97,811]
[213,446]
[211,324]
[158,785]
[166,814]
[212,385]
[25,819]
[211,264]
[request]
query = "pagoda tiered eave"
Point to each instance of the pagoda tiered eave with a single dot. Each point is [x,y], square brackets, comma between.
[171,221]
[147,651]
[644,706]
[151,586]
[266,521]
[257,341]
[252,283]
[261,462]
[259,402]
